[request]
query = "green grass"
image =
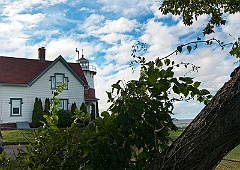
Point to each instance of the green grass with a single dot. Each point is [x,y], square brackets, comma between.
[14,137]
[174,134]
[234,154]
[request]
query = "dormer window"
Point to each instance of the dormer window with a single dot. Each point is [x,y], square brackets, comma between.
[57,80]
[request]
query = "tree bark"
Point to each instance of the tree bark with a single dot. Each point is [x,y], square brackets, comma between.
[210,136]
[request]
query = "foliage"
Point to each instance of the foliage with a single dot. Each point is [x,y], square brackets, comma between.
[46,106]
[129,138]
[42,153]
[192,9]
[37,113]
[83,107]
[143,107]
[64,118]
[73,108]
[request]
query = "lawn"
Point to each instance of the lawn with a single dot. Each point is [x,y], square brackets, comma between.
[14,137]
[234,154]
[25,136]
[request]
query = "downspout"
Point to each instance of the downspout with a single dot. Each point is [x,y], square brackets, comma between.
[1,115]
[1,106]
[30,103]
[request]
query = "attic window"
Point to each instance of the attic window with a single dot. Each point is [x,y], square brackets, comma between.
[57,80]
[16,106]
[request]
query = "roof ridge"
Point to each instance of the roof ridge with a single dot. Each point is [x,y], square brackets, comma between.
[26,71]
[24,58]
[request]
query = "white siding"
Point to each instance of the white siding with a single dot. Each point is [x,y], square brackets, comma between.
[41,89]
[7,92]
[90,78]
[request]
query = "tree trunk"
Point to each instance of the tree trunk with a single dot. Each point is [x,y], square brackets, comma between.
[210,136]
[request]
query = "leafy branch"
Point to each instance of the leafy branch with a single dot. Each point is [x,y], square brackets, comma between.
[192,9]
[194,45]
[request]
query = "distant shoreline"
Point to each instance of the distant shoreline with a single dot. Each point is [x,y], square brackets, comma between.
[182,122]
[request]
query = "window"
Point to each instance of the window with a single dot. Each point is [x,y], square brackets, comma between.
[16,106]
[63,104]
[58,79]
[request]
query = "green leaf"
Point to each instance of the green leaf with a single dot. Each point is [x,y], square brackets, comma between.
[167,62]
[143,88]
[55,117]
[109,94]
[106,118]
[189,48]
[158,62]
[179,48]
[175,89]
[204,91]
[196,84]
[200,99]
[140,105]
[86,150]
[187,80]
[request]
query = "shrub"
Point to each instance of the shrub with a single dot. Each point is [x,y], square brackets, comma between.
[37,113]
[64,118]
[83,108]
[73,108]
[46,106]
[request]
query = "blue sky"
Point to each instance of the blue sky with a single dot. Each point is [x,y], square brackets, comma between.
[106,30]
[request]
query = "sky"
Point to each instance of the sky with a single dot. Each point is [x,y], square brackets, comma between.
[106,31]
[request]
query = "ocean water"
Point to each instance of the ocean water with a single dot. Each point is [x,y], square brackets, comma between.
[182,122]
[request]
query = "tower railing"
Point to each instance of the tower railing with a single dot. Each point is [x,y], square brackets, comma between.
[90,68]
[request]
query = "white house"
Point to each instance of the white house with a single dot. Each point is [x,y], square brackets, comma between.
[22,80]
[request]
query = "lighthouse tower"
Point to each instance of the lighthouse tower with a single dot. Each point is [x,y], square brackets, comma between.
[90,99]
[89,70]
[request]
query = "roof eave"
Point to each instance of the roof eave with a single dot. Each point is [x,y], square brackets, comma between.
[14,84]
[91,99]
[61,59]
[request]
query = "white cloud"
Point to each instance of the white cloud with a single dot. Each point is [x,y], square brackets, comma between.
[86,9]
[92,23]
[113,38]
[120,53]
[118,26]
[110,31]
[28,20]
[126,7]
[11,8]
[232,26]
[66,47]
[160,38]
[103,84]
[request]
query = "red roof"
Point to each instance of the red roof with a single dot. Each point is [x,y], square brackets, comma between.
[90,95]
[78,70]
[24,71]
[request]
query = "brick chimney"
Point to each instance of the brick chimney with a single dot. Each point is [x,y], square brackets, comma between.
[41,53]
